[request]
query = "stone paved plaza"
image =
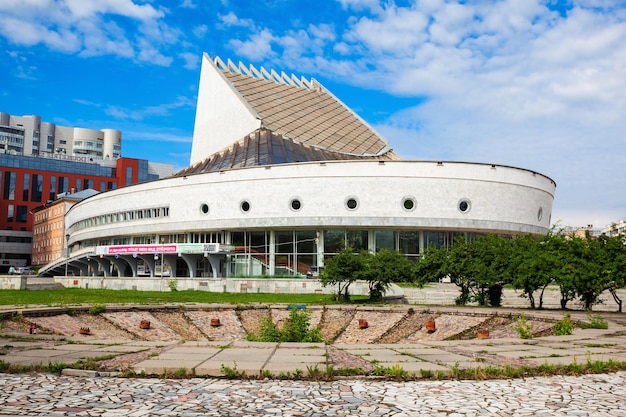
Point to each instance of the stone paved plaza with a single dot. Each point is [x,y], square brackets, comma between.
[46,395]
[202,393]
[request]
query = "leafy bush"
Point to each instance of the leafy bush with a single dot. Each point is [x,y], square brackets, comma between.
[173,284]
[565,326]
[295,329]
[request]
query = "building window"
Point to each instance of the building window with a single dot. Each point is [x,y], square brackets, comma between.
[63,185]
[129,175]
[245,206]
[540,214]
[204,208]
[22,212]
[53,187]
[408,203]
[351,203]
[464,205]
[26,187]
[36,188]
[9,186]
[385,239]
[296,204]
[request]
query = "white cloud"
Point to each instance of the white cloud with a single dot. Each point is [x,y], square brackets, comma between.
[88,28]
[508,82]
[257,47]
[200,30]
[191,60]
[231,19]
[152,111]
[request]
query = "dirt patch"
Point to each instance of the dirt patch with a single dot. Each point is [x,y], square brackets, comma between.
[334,321]
[177,321]
[409,324]
[251,318]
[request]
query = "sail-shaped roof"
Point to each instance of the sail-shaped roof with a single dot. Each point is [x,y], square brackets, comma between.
[303,111]
[243,110]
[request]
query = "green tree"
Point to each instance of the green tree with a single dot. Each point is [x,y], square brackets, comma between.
[490,259]
[478,268]
[384,268]
[613,260]
[342,270]
[535,263]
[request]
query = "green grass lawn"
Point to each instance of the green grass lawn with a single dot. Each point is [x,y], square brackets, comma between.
[77,296]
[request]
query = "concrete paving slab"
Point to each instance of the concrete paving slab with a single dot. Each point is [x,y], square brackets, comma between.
[243,355]
[417,368]
[562,360]
[388,357]
[24,360]
[418,351]
[248,344]
[450,358]
[276,368]
[120,349]
[157,366]
[294,359]
[42,353]
[213,367]
[184,350]
[72,347]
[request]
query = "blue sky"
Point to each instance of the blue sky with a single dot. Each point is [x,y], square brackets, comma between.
[534,84]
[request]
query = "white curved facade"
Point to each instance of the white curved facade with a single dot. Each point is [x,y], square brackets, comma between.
[499,199]
[291,193]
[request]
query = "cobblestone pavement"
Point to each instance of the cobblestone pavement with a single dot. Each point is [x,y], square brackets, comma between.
[47,395]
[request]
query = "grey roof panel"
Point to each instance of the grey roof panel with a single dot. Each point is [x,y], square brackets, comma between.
[306,113]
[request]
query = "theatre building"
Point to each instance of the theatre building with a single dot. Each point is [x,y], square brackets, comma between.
[282,175]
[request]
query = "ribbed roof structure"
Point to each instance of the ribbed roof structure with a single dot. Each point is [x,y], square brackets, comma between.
[264,147]
[304,111]
[297,120]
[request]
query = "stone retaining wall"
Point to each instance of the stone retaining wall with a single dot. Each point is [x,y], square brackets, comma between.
[433,294]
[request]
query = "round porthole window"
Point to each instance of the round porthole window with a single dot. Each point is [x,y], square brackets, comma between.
[540,214]
[408,203]
[245,206]
[204,208]
[296,204]
[352,203]
[464,205]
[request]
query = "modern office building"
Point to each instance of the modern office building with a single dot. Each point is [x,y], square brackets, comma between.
[282,176]
[72,160]
[29,136]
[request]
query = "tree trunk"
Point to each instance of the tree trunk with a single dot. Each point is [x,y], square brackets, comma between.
[617,300]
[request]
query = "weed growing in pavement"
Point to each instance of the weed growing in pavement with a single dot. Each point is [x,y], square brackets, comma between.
[439,375]
[55,367]
[180,373]
[595,322]
[97,309]
[565,326]
[426,373]
[596,366]
[523,327]
[232,372]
